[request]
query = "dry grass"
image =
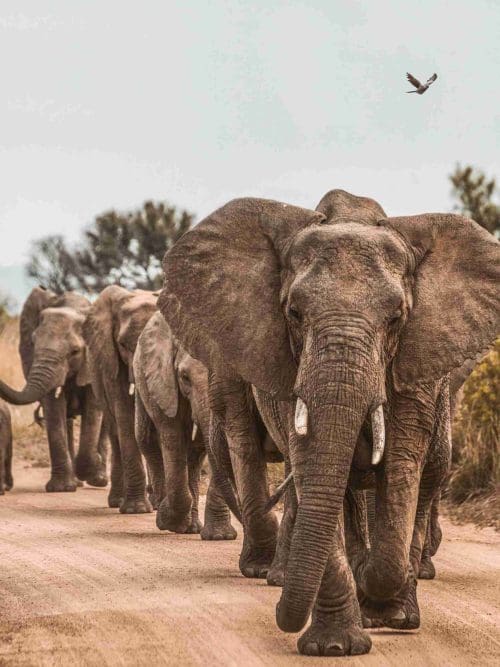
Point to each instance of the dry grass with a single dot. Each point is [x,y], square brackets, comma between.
[30,442]
[475,479]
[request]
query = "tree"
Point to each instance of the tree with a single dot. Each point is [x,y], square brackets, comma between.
[53,265]
[117,249]
[474,194]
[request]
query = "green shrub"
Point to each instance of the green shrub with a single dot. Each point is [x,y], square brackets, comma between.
[476,431]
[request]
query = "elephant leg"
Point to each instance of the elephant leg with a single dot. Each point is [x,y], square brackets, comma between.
[426,569]
[135,500]
[71,446]
[195,460]
[71,441]
[357,527]
[427,533]
[276,574]
[336,627]
[88,462]
[62,477]
[103,451]
[435,532]
[148,443]
[249,466]
[217,516]
[116,492]
[9,481]
[2,467]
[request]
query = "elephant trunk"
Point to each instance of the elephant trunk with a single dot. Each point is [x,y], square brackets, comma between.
[337,405]
[45,374]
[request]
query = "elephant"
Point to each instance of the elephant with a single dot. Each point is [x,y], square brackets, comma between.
[171,426]
[346,324]
[111,331]
[54,360]
[6,480]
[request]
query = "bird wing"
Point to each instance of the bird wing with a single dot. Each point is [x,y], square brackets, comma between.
[432,79]
[412,80]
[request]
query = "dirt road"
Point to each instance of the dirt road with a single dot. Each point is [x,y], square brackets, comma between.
[82,585]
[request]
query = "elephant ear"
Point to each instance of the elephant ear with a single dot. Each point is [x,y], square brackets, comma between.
[339,205]
[38,299]
[83,377]
[154,364]
[456,296]
[222,287]
[98,333]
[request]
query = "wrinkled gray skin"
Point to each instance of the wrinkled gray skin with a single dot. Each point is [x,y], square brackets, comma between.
[112,328]
[53,355]
[6,481]
[348,310]
[171,397]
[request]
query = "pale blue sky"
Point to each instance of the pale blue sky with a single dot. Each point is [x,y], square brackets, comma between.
[106,104]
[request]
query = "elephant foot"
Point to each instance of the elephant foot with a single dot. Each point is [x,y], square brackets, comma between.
[9,483]
[100,480]
[400,614]
[325,638]
[194,527]
[259,546]
[426,569]
[155,503]
[276,576]
[177,521]
[255,562]
[135,506]
[79,483]
[436,535]
[218,531]
[114,499]
[58,484]
[91,471]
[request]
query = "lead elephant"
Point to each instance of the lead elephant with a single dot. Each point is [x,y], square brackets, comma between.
[54,359]
[111,331]
[330,315]
[171,424]
[6,481]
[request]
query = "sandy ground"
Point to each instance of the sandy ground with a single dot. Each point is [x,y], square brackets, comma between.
[82,585]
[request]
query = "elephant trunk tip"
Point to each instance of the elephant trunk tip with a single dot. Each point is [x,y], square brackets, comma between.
[290,622]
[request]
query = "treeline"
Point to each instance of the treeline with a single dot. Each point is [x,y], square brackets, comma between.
[116,249]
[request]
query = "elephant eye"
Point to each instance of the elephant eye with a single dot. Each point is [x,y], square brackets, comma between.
[395,317]
[294,314]
[75,351]
[185,377]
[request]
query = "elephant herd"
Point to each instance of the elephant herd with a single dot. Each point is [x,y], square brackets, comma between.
[335,340]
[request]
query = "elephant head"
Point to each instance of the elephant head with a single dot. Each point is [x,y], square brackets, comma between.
[323,309]
[51,345]
[111,331]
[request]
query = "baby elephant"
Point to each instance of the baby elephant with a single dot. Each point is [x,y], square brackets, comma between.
[6,481]
[171,425]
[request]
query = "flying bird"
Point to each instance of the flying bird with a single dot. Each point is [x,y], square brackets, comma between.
[420,87]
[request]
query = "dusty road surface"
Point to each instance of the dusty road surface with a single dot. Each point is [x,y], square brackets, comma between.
[82,585]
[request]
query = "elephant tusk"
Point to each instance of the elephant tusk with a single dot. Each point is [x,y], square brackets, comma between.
[195,431]
[58,392]
[301,416]
[131,389]
[280,490]
[378,434]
